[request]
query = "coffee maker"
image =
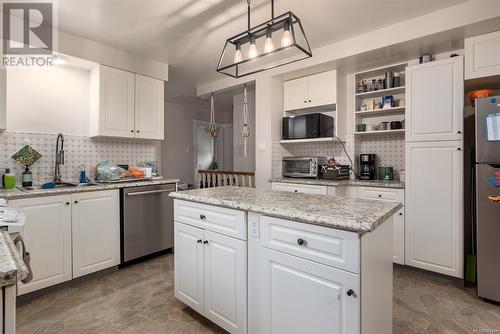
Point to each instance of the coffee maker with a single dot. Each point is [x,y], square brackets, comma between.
[367,166]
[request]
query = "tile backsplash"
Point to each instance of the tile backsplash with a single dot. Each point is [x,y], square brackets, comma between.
[78,150]
[388,148]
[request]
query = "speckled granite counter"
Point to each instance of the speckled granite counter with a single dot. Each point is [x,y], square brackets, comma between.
[353,214]
[12,268]
[38,192]
[333,183]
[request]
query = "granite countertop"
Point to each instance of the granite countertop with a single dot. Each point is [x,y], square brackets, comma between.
[38,192]
[12,267]
[321,182]
[352,214]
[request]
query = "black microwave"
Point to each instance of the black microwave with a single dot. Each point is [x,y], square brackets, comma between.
[315,125]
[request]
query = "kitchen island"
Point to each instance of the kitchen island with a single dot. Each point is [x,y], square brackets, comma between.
[260,261]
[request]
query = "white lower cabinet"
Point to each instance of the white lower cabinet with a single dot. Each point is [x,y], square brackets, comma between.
[304,296]
[47,234]
[211,275]
[69,236]
[96,231]
[434,211]
[308,188]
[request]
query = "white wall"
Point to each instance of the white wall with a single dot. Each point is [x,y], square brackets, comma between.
[48,100]
[240,162]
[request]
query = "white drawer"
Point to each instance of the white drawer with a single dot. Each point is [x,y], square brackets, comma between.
[383,194]
[332,247]
[300,188]
[212,218]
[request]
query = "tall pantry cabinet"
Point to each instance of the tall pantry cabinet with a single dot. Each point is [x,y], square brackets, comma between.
[434,166]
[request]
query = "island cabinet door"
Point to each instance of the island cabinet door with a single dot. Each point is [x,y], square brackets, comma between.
[188,265]
[294,295]
[225,281]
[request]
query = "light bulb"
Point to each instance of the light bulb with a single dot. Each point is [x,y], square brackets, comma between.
[237,54]
[269,46]
[252,51]
[286,39]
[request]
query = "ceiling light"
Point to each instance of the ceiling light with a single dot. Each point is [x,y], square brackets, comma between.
[293,47]
[286,38]
[237,54]
[269,46]
[252,50]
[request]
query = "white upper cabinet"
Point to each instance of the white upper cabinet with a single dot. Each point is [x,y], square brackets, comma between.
[482,56]
[434,206]
[312,91]
[112,102]
[124,104]
[96,237]
[322,89]
[296,94]
[149,107]
[434,100]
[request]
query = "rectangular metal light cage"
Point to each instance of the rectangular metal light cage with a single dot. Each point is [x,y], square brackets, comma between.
[299,48]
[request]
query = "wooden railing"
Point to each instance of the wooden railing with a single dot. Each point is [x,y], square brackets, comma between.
[220,178]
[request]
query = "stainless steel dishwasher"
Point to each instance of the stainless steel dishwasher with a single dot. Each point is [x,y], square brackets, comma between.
[147,221]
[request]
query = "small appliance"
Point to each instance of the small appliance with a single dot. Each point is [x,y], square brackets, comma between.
[303,166]
[367,166]
[314,125]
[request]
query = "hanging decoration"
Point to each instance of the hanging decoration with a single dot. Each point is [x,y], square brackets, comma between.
[245,129]
[212,127]
[276,42]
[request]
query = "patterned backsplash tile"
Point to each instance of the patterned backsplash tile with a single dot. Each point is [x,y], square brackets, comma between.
[388,148]
[78,150]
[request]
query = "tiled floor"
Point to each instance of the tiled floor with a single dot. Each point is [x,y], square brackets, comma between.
[139,299]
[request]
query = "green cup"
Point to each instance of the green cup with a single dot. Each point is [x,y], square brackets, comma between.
[10,181]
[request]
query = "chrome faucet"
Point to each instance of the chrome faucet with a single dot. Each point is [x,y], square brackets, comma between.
[59,159]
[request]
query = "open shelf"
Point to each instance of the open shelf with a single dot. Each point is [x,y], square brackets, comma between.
[393,110]
[382,92]
[399,67]
[379,132]
[309,140]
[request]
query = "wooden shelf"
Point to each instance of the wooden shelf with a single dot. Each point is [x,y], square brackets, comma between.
[379,132]
[398,67]
[393,110]
[309,140]
[381,92]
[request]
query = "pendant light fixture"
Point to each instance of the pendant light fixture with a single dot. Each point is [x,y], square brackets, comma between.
[260,51]
[212,127]
[245,129]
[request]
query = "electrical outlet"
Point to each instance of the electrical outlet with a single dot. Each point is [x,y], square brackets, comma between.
[255,227]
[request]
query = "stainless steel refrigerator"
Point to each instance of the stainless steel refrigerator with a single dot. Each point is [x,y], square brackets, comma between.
[488,197]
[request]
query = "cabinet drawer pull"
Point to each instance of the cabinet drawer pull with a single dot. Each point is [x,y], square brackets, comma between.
[205,242]
[295,191]
[379,195]
[76,202]
[199,241]
[350,292]
[203,217]
[301,242]
[67,203]
[309,100]
[400,213]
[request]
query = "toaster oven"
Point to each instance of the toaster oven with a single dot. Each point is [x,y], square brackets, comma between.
[303,166]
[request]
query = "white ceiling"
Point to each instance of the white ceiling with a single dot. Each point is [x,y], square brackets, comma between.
[190,34]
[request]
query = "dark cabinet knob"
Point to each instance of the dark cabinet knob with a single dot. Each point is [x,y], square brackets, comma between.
[202,217]
[379,195]
[459,149]
[131,130]
[309,100]
[205,242]
[67,203]
[459,132]
[295,191]
[137,131]
[301,242]
[199,241]
[350,292]
[400,213]
[76,202]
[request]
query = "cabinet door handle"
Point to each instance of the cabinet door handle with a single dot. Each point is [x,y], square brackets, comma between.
[203,217]
[310,101]
[305,101]
[379,195]
[301,242]
[350,292]
[137,131]
[67,203]
[205,242]
[199,241]
[132,131]
[295,191]
[400,213]
[76,202]
[459,149]
[459,132]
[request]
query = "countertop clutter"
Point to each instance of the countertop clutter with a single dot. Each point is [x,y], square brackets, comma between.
[334,183]
[352,214]
[12,267]
[37,192]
